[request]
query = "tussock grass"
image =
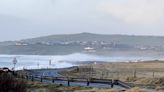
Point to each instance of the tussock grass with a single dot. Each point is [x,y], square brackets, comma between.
[10,84]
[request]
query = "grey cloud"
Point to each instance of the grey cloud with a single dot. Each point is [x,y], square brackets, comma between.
[20,19]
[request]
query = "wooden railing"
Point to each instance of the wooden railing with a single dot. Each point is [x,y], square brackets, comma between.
[82,80]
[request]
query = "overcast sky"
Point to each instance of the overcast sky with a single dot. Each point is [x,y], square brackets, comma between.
[20,19]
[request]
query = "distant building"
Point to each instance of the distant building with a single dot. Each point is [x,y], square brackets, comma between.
[20,44]
[89,49]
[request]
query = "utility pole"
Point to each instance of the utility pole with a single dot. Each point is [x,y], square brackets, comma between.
[38,64]
[50,63]
[14,62]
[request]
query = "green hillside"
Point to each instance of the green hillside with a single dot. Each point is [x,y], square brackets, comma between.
[122,39]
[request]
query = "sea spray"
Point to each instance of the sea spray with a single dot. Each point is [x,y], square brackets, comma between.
[61,61]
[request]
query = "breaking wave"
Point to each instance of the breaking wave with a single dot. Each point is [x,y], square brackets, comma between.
[59,61]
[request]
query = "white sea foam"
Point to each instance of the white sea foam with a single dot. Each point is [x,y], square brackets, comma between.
[59,61]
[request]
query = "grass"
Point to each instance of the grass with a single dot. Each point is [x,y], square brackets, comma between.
[136,89]
[122,70]
[141,74]
[42,87]
[9,83]
[146,74]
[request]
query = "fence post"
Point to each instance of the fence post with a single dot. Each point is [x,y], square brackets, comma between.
[26,77]
[87,82]
[112,84]
[153,74]
[53,80]
[68,82]
[41,79]
[134,74]
[118,74]
[116,82]
[77,70]
[32,78]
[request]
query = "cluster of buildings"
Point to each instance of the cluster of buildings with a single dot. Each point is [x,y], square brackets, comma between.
[92,45]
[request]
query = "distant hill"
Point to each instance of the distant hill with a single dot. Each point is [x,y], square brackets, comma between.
[122,39]
[74,43]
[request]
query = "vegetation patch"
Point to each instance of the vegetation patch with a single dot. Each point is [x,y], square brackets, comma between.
[10,84]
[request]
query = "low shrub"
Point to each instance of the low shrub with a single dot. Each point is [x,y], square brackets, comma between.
[10,84]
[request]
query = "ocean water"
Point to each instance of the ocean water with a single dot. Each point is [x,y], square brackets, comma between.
[62,61]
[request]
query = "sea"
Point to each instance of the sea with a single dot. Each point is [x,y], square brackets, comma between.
[63,61]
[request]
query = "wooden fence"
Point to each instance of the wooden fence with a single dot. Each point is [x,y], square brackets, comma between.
[80,80]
